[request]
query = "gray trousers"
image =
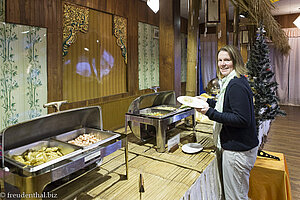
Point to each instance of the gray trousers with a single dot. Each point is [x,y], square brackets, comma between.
[236,167]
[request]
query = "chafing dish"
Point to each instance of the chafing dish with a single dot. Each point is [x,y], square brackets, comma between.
[153,114]
[54,130]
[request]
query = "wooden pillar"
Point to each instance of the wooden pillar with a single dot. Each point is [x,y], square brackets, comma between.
[236,20]
[222,26]
[192,47]
[244,52]
[133,85]
[169,46]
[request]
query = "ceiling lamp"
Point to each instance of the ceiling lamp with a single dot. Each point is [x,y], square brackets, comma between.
[154,5]
[297,22]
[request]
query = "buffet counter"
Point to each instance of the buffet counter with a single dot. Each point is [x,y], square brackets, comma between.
[175,175]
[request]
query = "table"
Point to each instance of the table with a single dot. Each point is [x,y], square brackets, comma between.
[269,179]
[169,175]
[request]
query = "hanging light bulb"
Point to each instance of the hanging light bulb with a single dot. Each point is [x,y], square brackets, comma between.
[297,22]
[154,5]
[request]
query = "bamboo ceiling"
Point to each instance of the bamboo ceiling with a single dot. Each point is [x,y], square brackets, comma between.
[260,12]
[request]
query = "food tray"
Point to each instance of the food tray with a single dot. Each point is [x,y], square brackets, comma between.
[160,113]
[104,136]
[168,108]
[155,113]
[66,149]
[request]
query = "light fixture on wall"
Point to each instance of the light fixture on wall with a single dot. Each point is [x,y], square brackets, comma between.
[154,5]
[297,22]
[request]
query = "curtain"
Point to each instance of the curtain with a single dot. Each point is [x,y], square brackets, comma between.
[209,48]
[287,70]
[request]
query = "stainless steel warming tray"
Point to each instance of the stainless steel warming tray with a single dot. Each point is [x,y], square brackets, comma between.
[154,114]
[55,130]
[162,111]
[67,150]
[103,136]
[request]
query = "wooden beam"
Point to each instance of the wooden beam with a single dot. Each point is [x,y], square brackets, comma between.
[192,47]
[222,26]
[169,46]
[236,19]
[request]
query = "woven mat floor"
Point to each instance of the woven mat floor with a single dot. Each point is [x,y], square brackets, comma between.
[166,175]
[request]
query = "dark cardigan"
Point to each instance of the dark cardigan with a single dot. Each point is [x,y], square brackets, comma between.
[239,130]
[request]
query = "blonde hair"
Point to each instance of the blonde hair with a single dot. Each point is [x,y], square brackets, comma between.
[237,60]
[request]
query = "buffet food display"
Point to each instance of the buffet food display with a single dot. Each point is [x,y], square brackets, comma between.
[152,115]
[84,140]
[33,157]
[54,146]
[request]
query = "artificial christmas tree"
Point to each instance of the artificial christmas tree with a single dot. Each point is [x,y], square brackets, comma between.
[260,77]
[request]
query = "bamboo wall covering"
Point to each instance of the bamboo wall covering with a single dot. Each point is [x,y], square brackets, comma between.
[94,66]
[23,73]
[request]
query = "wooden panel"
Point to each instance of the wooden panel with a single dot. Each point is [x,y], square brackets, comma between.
[183,25]
[114,113]
[146,15]
[133,85]
[177,47]
[118,7]
[210,30]
[286,21]
[94,66]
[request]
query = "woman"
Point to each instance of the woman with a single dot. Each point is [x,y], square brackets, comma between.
[234,126]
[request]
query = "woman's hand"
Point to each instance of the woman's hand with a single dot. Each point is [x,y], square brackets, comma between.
[202,110]
[205,109]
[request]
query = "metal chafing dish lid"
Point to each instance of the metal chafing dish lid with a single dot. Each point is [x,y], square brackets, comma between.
[151,100]
[50,125]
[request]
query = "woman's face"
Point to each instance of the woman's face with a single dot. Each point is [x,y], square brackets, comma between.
[225,63]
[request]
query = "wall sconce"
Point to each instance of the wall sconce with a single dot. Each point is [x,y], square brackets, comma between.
[154,5]
[297,22]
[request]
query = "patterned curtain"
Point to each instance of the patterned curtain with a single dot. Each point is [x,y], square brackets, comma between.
[148,56]
[23,73]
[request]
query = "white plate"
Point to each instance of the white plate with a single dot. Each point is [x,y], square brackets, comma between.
[192,102]
[192,148]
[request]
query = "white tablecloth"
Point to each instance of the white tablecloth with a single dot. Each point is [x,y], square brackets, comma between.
[207,186]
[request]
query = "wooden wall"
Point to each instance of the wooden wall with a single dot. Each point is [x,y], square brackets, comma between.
[48,14]
[286,21]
